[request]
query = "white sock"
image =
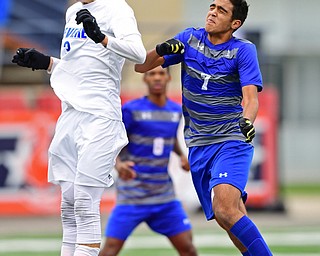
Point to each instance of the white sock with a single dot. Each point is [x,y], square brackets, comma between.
[67,249]
[82,250]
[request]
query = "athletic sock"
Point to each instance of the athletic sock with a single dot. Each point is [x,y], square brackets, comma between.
[247,232]
[82,250]
[247,253]
[67,249]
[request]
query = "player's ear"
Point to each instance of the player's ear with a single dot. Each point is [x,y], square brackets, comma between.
[235,24]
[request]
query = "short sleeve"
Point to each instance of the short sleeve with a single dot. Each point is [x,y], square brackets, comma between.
[248,66]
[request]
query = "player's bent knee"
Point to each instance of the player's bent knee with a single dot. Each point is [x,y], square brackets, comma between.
[87,213]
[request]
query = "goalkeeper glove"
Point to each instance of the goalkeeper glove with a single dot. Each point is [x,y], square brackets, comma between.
[247,129]
[171,46]
[90,25]
[31,58]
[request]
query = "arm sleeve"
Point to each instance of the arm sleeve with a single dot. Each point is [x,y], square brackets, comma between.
[127,40]
[248,66]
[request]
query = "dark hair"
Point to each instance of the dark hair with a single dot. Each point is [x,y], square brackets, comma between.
[240,10]
[166,68]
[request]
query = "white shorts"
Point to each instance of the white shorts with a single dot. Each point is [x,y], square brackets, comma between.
[84,148]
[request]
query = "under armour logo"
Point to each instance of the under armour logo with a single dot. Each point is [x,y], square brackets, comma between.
[223,174]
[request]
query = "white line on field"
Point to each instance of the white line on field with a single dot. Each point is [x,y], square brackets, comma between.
[135,242]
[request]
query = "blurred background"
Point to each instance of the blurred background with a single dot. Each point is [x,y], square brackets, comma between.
[284,182]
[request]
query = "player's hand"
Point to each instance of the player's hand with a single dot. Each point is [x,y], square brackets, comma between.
[125,170]
[184,163]
[31,58]
[171,46]
[90,25]
[247,129]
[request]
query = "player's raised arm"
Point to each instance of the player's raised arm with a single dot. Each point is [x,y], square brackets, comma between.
[155,56]
[127,41]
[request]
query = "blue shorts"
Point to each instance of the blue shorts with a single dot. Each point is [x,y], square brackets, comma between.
[168,219]
[222,163]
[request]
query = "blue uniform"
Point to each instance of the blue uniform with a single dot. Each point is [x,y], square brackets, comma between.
[150,196]
[212,79]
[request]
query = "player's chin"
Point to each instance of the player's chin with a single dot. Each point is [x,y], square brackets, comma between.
[209,27]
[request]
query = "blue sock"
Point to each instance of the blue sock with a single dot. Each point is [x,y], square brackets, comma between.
[248,234]
[247,253]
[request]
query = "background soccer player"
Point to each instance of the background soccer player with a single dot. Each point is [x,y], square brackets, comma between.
[219,72]
[145,190]
[99,35]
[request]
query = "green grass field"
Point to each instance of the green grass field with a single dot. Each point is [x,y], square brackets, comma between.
[293,241]
[286,235]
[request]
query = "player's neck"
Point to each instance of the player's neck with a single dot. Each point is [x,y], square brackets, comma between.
[159,100]
[219,38]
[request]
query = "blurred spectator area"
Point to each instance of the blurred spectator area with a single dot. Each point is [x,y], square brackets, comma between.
[32,23]
[37,98]
[37,23]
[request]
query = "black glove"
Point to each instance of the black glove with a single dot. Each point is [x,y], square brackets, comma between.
[247,129]
[31,58]
[171,46]
[90,25]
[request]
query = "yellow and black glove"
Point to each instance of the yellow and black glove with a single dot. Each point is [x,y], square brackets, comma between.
[171,46]
[247,129]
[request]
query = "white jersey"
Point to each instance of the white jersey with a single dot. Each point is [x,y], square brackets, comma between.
[87,76]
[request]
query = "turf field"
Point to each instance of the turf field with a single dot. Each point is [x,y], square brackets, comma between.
[295,232]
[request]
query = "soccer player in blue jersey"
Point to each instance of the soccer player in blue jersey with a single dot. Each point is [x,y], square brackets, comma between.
[145,190]
[220,84]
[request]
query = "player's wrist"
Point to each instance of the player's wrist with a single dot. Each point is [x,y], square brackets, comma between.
[105,41]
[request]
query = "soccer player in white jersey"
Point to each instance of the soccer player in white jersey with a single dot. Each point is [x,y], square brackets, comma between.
[99,35]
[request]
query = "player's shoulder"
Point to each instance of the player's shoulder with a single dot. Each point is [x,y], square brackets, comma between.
[119,6]
[242,43]
[73,9]
[134,103]
[174,105]
[194,31]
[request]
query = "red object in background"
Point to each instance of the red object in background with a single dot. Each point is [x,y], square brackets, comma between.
[25,136]
[263,185]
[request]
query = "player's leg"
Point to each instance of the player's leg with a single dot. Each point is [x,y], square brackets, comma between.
[112,247]
[183,243]
[170,219]
[235,240]
[69,226]
[229,177]
[61,170]
[99,140]
[122,221]
[228,212]
[87,214]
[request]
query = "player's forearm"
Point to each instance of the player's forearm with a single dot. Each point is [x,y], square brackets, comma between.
[250,103]
[250,110]
[153,60]
[130,47]
[118,163]
[177,148]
